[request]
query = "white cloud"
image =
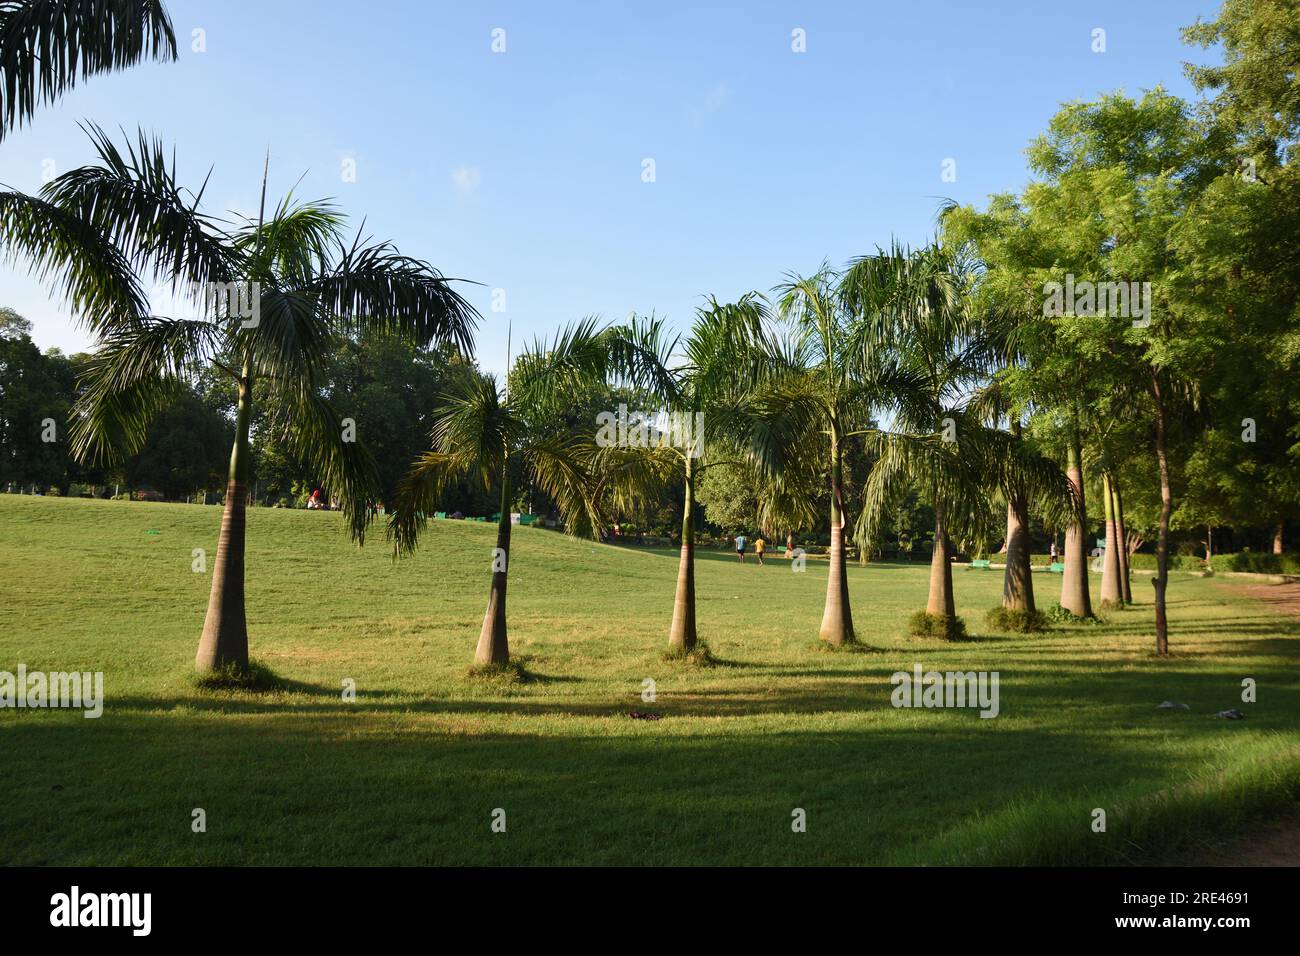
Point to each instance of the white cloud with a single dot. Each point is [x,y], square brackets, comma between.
[714,100]
[466,179]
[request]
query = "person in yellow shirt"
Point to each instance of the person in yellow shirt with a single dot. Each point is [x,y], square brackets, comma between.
[759,546]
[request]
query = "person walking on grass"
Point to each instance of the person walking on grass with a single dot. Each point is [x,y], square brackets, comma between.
[1053,549]
[740,546]
[759,546]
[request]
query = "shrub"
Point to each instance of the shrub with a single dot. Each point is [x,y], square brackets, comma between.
[1059,615]
[697,656]
[1259,562]
[1016,619]
[937,626]
[255,677]
[511,672]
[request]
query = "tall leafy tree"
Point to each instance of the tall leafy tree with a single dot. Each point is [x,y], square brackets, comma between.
[837,370]
[937,441]
[307,288]
[707,404]
[487,430]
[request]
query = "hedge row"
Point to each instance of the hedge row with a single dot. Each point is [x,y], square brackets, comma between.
[1259,562]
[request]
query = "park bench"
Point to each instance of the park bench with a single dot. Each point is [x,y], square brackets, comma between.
[981,564]
[1056,568]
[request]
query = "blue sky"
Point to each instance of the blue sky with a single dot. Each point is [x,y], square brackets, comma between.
[523,170]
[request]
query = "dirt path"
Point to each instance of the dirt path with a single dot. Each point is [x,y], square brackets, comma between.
[1280,597]
[1276,843]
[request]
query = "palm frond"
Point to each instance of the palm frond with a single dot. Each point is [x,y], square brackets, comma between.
[632,476]
[417,497]
[561,466]
[640,354]
[86,267]
[133,375]
[376,289]
[134,201]
[314,431]
[546,376]
[46,46]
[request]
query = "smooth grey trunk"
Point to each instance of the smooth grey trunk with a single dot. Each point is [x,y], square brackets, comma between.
[1112,594]
[682,635]
[224,641]
[1278,531]
[941,603]
[1161,581]
[1075,596]
[837,619]
[1121,531]
[493,645]
[1018,579]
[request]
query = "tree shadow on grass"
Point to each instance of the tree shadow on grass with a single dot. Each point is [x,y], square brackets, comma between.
[299,790]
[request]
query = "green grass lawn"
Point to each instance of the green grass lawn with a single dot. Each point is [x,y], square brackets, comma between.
[411,772]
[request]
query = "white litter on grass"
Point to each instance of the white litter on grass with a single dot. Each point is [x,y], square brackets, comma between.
[1171,705]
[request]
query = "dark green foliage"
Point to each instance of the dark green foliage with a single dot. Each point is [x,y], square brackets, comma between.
[1016,619]
[937,626]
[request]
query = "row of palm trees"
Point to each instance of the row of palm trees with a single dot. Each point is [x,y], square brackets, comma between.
[888,352]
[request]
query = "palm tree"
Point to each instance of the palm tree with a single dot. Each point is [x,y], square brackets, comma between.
[47,45]
[486,429]
[726,359]
[842,370]
[309,288]
[937,442]
[1028,476]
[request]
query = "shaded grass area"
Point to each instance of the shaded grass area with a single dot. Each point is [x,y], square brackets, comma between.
[412,769]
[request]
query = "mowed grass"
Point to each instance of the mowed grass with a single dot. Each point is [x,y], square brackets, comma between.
[411,772]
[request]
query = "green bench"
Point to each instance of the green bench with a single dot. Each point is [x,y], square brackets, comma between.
[981,564]
[1056,568]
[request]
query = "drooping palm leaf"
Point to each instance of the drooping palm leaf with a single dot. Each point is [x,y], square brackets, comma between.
[95,278]
[133,200]
[46,46]
[133,375]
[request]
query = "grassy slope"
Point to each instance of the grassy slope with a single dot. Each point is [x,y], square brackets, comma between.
[410,773]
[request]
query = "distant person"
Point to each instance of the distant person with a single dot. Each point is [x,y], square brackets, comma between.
[759,546]
[789,545]
[314,502]
[1053,550]
[740,546]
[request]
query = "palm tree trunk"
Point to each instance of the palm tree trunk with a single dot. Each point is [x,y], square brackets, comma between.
[1161,580]
[1112,595]
[941,603]
[224,642]
[682,636]
[837,619]
[493,647]
[1277,536]
[1017,579]
[1075,596]
[1121,532]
